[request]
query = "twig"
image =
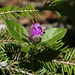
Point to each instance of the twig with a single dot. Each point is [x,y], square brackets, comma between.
[62,62]
[19,70]
[8,40]
[25,72]
[14,69]
[17,11]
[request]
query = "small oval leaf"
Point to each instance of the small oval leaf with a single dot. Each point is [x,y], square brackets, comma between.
[53,34]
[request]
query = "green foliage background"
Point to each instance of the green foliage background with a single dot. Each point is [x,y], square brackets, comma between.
[47,57]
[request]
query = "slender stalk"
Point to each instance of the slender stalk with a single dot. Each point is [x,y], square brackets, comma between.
[17,11]
[32,58]
[63,62]
[15,69]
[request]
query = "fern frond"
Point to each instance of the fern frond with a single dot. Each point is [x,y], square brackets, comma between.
[3,55]
[15,11]
[50,51]
[11,51]
[57,68]
[5,36]
[65,7]
[15,70]
[69,55]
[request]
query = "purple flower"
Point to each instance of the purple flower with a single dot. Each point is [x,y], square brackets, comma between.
[36,32]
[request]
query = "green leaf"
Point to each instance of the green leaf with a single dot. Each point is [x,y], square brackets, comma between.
[12,16]
[53,34]
[3,71]
[16,30]
[14,12]
[59,5]
[25,49]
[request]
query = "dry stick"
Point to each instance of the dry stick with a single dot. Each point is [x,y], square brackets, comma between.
[62,62]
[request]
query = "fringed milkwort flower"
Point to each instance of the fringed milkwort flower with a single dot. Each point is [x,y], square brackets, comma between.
[36,32]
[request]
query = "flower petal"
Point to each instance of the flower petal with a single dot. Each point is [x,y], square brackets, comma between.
[39,31]
[33,31]
[28,37]
[37,25]
[36,30]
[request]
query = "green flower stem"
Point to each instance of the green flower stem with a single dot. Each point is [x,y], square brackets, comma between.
[32,58]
